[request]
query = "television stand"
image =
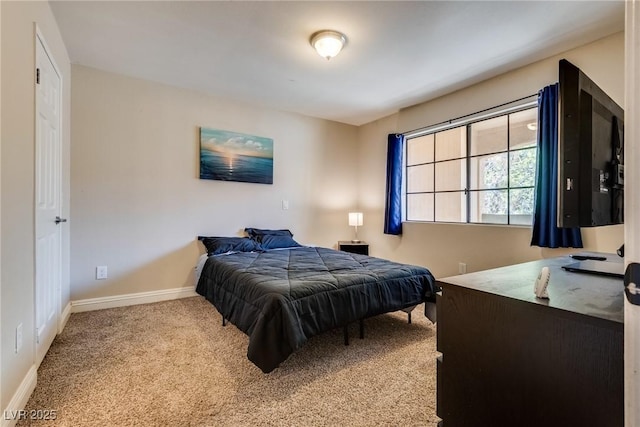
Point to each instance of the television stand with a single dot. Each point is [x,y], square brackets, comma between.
[511,359]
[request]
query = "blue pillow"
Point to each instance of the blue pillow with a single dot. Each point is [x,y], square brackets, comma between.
[221,245]
[274,241]
[256,233]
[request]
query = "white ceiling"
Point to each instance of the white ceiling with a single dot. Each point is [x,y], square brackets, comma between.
[398,53]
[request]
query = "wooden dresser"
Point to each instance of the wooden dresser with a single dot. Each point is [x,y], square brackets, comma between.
[510,359]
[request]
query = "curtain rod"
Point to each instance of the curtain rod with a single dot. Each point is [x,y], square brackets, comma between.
[427,129]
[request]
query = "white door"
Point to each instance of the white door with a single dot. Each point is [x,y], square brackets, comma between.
[47,201]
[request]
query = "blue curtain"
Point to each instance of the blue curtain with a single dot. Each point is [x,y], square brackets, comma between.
[545,229]
[393,206]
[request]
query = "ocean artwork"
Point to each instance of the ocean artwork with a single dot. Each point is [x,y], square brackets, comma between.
[231,156]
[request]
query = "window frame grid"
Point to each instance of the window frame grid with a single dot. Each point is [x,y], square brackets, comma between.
[467,159]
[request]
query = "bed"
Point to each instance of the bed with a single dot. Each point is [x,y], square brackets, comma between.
[282,297]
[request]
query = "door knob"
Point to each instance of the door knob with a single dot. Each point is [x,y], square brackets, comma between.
[59,220]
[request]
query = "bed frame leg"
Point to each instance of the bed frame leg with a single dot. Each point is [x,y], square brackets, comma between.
[224,321]
[408,310]
[346,334]
[361,329]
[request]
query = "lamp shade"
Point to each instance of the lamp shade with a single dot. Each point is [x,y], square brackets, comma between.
[355,219]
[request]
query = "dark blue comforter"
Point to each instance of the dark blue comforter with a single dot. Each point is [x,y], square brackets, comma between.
[280,298]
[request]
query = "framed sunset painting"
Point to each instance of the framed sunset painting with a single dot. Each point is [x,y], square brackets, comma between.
[232,156]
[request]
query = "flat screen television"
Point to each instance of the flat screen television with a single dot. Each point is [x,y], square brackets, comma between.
[590,152]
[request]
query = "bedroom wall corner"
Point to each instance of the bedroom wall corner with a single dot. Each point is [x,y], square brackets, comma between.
[138,203]
[440,247]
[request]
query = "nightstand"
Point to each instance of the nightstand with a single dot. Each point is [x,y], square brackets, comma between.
[355,248]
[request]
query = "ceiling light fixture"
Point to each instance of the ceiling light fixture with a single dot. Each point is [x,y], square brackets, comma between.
[328,43]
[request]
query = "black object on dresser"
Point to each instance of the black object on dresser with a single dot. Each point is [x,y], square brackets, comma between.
[361,247]
[510,359]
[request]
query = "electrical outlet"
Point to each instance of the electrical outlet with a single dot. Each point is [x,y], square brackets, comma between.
[285,205]
[18,337]
[101,272]
[462,268]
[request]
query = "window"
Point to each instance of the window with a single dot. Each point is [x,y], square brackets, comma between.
[481,171]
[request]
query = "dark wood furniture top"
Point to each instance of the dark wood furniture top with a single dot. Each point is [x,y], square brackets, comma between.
[509,358]
[591,295]
[354,247]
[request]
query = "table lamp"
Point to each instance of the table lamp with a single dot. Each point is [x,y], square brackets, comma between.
[355,219]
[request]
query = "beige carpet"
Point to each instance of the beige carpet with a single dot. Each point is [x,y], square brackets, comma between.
[174,364]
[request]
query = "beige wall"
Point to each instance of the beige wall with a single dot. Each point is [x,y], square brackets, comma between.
[137,200]
[442,246]
[17,180]
[2,406]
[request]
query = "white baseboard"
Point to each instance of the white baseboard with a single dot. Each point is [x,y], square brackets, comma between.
[19,400]
[131,299]
[64,317]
